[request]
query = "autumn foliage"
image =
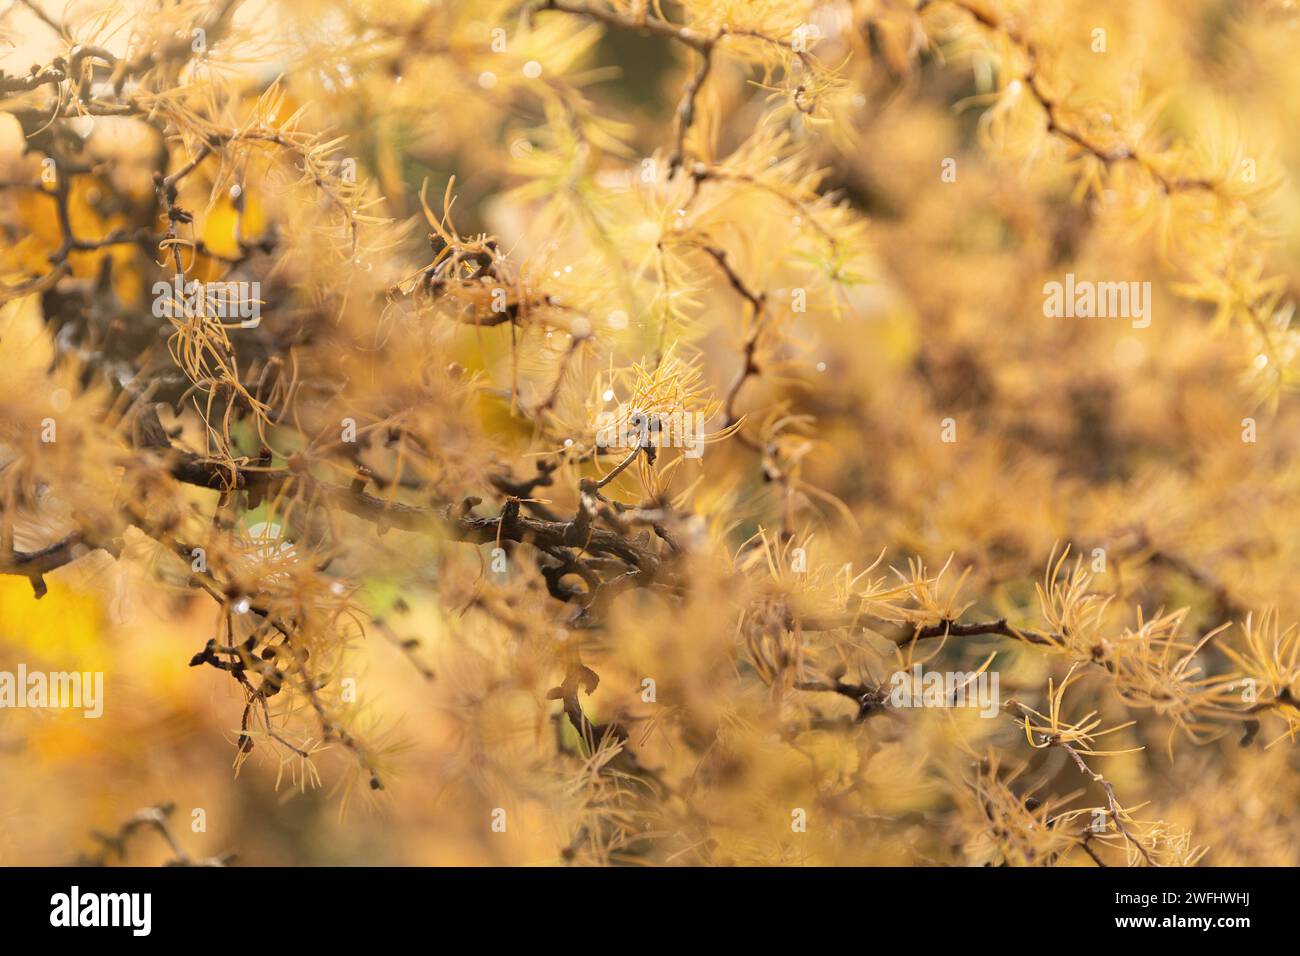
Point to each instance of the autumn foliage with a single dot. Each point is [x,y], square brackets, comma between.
[595,411]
